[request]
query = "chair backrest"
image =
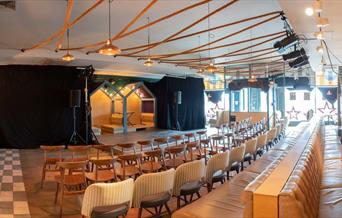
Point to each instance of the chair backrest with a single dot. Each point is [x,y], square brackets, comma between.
[216,162]
[103,164]
[271,134]
[67,169]
[104,194]
[108,149]
[124,146]
[53,150]
[143,143]
[178,138]
[152,183]
[262,140]
[79,151]
[188,172]
[161,140]
[251,146]
[236,155]
[190,148]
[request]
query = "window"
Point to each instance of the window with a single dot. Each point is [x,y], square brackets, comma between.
[292,96]
[307,96]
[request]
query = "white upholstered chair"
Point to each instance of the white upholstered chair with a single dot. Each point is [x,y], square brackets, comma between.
[236,157]
[261,143]
[251,149]
[108,197]
[153,190]
[188,180]
[215,170]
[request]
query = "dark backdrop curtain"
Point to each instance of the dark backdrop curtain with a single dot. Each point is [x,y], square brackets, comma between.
[35,105]
[190,113]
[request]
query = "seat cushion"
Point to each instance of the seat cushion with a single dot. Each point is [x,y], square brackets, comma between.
[332,174]
[331,203]
[190,187]
[109,211]
[155,200]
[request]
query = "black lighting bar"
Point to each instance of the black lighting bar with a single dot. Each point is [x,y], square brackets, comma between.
[285,43]
[294,54]
[298,62]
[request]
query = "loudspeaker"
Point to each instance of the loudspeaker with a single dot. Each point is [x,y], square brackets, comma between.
[75,98]
[178,97]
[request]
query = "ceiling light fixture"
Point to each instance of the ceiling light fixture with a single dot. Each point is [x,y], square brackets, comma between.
[68,57]
[322,22]
[252,78]
[320,48]
[148,62]
[317,5]
[309,11]
[109,49]
[298,62]
[319,35]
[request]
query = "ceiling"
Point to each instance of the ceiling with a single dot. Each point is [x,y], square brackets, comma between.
[302,24]
[35,20]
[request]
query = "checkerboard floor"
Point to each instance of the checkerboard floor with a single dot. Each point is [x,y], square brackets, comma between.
[13,200]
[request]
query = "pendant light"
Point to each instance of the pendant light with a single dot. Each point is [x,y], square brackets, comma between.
[68,57]
[211,67]
[320,48]
[148,62]
[252,78]
[109,48]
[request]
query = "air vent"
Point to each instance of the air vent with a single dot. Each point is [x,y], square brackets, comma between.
[7,4]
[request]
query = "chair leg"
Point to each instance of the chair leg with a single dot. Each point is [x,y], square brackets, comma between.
[43,176]
[156,210]
[198,195]
[56,195]
[186,200]
[160,209]
[140,212]
[241,165]
[192,195]
[167,208]
[209,187]
[178,202]
[61,203]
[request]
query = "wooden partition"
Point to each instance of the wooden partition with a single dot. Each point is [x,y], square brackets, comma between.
[265,198]
[223,116]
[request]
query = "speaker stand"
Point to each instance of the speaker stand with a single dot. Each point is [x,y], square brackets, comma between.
[75,137]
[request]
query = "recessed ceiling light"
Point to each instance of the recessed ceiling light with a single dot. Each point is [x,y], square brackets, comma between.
[309,11]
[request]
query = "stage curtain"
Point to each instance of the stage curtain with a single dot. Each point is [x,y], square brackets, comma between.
[35,105]
[191,110]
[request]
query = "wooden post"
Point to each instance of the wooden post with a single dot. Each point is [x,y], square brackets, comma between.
[124,113]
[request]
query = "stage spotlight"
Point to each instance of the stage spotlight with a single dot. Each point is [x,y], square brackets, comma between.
[294,54]
[301,61]
[286,42]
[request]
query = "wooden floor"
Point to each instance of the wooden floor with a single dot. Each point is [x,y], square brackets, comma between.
[41,201]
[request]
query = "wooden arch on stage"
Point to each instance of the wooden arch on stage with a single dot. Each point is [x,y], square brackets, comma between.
[125,108]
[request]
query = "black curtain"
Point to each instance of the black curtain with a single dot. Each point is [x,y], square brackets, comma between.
[190,112]
[35,105]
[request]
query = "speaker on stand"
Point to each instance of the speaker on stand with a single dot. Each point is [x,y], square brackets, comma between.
[75,102]
[177,101]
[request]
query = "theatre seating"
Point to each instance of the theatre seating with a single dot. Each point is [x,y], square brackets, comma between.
[188,180]
[301,194]
[225,200]
[331,186]
[108,198]
[236,157]
[153,190]
[215,169]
